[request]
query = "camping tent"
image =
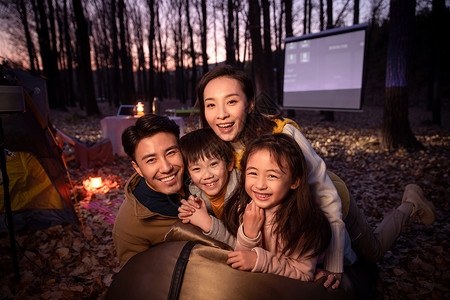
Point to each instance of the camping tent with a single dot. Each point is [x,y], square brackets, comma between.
[39,187]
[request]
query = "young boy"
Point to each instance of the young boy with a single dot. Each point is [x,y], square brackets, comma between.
[154,192]
[209,162]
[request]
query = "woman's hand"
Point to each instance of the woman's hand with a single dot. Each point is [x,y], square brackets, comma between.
[331,278]
[242,260]
[253,220]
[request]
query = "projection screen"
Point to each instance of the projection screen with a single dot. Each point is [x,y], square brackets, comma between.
[325,70]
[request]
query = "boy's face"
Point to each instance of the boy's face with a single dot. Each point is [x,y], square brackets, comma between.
[210,174]
[159,161]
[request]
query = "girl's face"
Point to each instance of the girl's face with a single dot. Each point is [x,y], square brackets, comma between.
[210,174]
[226,107]
[265,182]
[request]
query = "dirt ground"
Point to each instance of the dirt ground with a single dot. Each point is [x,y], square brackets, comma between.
[416,266]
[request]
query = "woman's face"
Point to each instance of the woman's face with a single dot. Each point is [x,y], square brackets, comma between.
[226,107]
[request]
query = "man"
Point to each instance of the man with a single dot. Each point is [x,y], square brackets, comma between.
[153,193]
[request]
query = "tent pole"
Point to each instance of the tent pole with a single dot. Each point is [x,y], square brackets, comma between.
[7,201]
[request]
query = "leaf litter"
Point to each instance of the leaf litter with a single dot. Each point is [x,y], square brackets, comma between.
[65,262]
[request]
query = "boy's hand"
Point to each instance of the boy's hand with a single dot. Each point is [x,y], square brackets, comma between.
[331,278]
[194,211]
[253,220]
[187,208]
[242,260]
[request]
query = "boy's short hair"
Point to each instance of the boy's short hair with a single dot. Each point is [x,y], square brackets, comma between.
[147,126]
[204,143]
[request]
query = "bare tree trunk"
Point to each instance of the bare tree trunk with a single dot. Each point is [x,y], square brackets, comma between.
[151,42]
[62,56]
[289,33]
[259,71]
[51,16]
[395,129]
[321,12]
[215,32]
[162,53]
[180,67]
[139,43]
[192,53]
[438,9]
[117,94]
[268,49]
[237,8]
[21,8]
[279,52]
[356,12]
[305,16]
[204,38]
[49,60]
[329,115]
[309,15]
[127,71]
[229,41]
[330,23]
[87,83]
[69,52]
[288,21]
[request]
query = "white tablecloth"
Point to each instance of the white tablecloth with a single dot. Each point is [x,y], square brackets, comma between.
[113,127]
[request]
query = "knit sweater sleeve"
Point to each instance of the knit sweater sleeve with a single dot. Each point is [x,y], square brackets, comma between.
[245,243]
[327,197]
[220,233]
[296,267]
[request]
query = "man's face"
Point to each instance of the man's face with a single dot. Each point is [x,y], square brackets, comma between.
[159,161]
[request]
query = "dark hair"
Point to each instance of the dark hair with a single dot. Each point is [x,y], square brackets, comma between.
[147,126]
[299,221]
[256,124]
[204,143]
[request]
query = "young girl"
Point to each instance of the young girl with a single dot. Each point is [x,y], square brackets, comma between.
[282,230]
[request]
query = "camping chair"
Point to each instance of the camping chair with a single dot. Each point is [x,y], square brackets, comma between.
[87,155]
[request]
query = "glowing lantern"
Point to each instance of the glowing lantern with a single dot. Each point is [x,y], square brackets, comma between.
[96,182]
[140,109]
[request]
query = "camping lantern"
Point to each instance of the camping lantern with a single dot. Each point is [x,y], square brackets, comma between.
[96,182]
[140,109]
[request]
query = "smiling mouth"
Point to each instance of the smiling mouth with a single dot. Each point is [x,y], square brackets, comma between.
[261,196]
[168,179]
[211,184]
[227,125]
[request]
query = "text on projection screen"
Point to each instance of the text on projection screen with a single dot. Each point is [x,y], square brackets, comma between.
[325,72]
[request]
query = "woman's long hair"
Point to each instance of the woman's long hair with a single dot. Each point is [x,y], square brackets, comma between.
[300,223]
[256,124]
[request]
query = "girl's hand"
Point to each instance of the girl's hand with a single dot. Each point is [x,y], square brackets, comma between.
[242,260]
[331,278]
[253,220]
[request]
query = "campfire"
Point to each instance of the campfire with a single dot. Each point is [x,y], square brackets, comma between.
[97,185]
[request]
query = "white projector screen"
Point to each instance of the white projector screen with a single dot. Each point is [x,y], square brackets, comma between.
[325,70]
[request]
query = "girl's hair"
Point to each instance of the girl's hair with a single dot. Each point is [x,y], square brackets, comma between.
[256,124]
[204,143]
[299,221]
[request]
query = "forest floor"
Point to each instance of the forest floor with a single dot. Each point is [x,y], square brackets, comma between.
[65,262]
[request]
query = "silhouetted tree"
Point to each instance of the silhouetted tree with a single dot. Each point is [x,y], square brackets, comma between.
[395,129]
[85,80]
[259,71]
[127,71]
